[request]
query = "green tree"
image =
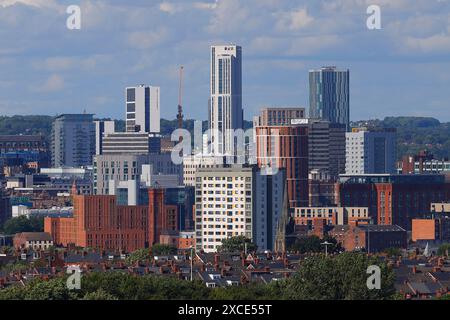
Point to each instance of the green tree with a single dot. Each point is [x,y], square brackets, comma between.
[393,252]
[139,255]
[313,244]
[163,249]
[444,249]
[23,224]
[341,277]
[99,295]
[237,244]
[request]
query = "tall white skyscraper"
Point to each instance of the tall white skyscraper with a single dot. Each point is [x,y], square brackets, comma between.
[225,105]
[143,112]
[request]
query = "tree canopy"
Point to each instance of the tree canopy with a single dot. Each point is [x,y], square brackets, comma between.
[237,244]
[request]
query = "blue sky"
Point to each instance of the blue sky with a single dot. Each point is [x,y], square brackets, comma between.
[402,69]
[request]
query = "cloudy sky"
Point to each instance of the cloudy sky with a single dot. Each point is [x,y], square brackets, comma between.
[402,69]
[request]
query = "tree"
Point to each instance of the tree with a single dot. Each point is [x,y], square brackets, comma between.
[313,244]
[23,224]
[99,295]
[237,244]
[163,249]
[341,277]
[139,255]
[393,252]
[444,249]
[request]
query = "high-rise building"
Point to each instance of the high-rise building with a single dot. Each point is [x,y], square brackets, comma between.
[327,147]
[371,150]
[237,201]
[286,146]
[102,128]
[278,116]
[225,105]
[73,140]
[329,95]
[143,109]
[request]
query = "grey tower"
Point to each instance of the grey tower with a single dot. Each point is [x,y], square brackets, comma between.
[329,95]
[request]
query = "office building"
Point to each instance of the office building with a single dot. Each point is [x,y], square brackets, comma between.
[329,95]
[143,109]
[102,128]
[225,104]
[327,147]
[371,151]
[73,140]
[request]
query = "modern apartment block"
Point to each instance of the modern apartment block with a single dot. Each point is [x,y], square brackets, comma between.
[192,163]
[143,109]
[73,140]
[225,105]
[117,168]
[131,143]
[327,147]
[371,151]
[278,116]
[329,95]
[286,147]
[237,201]
[102,128]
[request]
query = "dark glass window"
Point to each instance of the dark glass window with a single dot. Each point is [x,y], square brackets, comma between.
[131,95]
[131,107]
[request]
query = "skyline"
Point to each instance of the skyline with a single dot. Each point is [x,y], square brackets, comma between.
[402,69]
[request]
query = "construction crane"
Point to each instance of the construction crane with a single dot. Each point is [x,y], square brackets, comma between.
[180,100]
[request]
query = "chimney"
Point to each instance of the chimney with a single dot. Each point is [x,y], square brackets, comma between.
[203,268]
[223,273]
[414,269]
[216,259]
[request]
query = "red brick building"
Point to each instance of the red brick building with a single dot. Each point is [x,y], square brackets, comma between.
[393,199]
[98,222]
[370,238]
[286,147]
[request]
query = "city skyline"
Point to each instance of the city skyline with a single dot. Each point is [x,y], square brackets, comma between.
[401,69]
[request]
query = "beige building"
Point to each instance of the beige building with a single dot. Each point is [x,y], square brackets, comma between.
[192,163]
[333,215]
[33,240]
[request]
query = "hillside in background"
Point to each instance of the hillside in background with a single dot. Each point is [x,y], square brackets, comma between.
[414,133]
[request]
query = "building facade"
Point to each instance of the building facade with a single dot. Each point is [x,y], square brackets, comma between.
[73,140]
[102,128]
[286,147]
[329,95]
[225,105]
[393,199]
[371,151]
[143,109]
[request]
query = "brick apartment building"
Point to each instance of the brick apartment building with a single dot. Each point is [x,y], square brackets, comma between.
[370,238]
[393,199]
[99,222]
[434,227]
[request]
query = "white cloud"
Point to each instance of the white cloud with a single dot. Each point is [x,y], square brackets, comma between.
[294,20]
[54,83]
[169,7]
[439,43]
[147,39]
[32,3]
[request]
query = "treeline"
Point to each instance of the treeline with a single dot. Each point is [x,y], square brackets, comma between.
[417,133]
[341,277]
[414,133]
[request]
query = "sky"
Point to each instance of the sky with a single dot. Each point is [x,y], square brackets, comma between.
[45,68]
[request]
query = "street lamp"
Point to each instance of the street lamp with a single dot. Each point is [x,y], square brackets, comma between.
[192,263]
[326,244]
